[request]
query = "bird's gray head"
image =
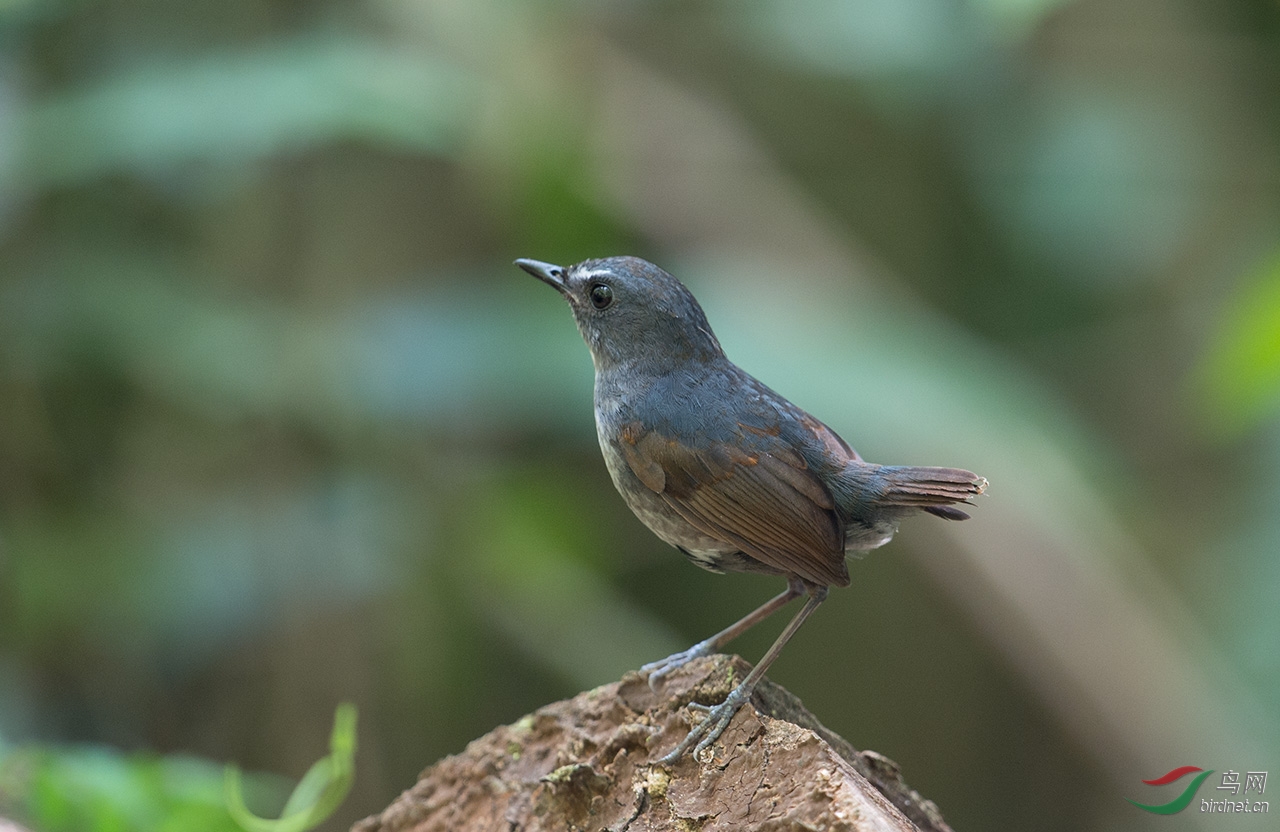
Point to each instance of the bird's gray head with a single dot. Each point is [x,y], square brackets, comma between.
[629,310]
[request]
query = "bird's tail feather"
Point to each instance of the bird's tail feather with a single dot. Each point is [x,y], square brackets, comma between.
[934,490]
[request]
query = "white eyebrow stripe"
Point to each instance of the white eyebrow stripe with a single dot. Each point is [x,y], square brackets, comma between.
[590,273]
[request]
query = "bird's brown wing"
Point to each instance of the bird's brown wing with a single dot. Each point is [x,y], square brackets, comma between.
[831,441]
[767,502]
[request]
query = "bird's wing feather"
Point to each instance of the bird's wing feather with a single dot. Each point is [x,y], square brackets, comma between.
[831,441]
[767,502]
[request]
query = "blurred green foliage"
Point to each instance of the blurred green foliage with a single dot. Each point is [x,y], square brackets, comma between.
[280,425]
[1240,385]
[98,789]
[319,792]
[102,790]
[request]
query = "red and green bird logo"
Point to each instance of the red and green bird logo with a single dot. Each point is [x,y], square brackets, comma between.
[1181,801]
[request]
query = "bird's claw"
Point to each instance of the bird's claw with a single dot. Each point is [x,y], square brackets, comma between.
[659,669]
[714,722]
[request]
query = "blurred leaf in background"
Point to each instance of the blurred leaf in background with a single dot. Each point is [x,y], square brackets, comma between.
[241,107]
[90,789]
[100,789]
[319,792]
[1239,380]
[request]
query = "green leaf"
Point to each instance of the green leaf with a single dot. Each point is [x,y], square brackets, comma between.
[320,791]
[101,789]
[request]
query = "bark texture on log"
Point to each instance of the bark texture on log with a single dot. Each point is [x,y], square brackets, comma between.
[585,764]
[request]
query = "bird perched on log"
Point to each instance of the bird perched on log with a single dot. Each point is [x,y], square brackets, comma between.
[721,467]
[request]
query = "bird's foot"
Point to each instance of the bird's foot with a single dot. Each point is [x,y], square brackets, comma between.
[657,670]
[714,722]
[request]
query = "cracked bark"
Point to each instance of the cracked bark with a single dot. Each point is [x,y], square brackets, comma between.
[584,764]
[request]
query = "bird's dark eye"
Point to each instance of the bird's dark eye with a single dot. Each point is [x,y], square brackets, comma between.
[601,296]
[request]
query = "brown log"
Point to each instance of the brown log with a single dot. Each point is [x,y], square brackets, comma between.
[585,764]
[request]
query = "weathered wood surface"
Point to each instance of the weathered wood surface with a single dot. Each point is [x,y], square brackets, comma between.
[584,764]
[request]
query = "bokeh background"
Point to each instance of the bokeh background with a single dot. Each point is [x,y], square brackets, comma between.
[280,425]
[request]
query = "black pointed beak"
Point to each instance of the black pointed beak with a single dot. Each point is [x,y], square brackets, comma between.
[546,272]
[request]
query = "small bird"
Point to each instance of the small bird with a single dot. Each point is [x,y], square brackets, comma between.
[721,467]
